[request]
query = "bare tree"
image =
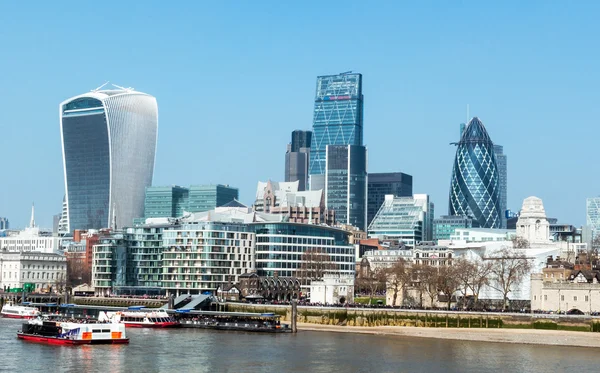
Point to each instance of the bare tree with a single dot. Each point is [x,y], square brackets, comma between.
[473,275]
[374,282]
[520,242]
[315,263]
[397,277]
[448,281]
[508,269]
[425,280]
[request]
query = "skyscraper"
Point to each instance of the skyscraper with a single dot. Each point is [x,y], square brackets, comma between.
[338,120]
[346,184]
[165,202]
[297,157]
[397,184]
[475,184]
[207,197]
[109,144]
[592,220]
[501,162]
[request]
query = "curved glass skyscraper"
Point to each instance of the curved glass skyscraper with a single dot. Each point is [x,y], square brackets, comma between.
[475,186]
[109,143]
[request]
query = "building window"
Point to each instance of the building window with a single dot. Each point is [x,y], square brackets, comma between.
[562,297]
[575,298]
[587,298]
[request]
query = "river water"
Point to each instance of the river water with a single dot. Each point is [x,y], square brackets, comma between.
[196,350]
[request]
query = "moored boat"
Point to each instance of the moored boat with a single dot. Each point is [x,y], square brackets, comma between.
[45,330]
[233,321]
[12,311]
[145,319]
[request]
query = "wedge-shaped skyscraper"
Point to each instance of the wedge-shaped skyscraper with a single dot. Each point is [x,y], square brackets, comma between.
[109,143]
[475,184]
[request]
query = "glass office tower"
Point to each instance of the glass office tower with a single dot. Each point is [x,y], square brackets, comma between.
[297,157]
[397,184]
[109,144]
[346,184]
[338,120]
[501,162]
[475,184]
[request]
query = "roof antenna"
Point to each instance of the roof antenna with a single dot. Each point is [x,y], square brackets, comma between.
[99,88]
[123,88]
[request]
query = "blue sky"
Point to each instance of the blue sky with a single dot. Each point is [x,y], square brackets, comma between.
[233,79]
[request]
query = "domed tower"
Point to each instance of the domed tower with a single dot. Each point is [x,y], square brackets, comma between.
[475,188]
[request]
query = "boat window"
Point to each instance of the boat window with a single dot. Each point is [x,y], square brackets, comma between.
[96,331]
[105,330]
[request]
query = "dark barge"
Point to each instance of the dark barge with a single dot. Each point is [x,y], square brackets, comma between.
[234,321]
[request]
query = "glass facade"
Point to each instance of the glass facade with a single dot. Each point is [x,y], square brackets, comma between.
[208,197]
[338,119]
[407,219]
[346,184]
[285,248]
[163,202]
[444,226]
[382,184]
[300,140]
[109,143]
[501,162]
[475,184]
[297,158]
[592,219]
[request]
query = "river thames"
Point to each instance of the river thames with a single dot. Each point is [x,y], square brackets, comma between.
[195,350]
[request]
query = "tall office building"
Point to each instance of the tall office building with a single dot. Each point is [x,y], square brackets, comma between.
[397,184]
[592,220]
[297,158]
[109,144]
[338,120]
[475,184]
[346,184]
[444,226]
[4,224]
[501,162]
[167,201]
[207,197]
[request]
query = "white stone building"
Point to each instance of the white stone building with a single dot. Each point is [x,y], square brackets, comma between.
[381,259]
[31,238]
[481,235]
[44,270]
[581,293]
[532,224]
[333,289]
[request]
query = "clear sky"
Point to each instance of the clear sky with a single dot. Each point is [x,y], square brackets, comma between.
[233,79]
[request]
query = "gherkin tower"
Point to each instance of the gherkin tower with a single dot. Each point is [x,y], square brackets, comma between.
[475,187]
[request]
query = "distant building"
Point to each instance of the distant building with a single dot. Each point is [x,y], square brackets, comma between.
[173,201]
[47,271]
[397,184]
[407,219]
[444,226]
[284,198]
[4,224]
[332,289]
[532,224]
[482,235]
[578,292]
[346,184]
[108,145]
[501,163]
[428,253]
[338,120]
[31,238]
[297,158]
[592,228]
[381,259]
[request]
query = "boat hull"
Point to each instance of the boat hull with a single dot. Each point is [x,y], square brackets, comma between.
[13,316]
[151,325]
[64,341]
[239,328]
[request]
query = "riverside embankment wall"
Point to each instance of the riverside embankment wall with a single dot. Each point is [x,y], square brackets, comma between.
[416,318]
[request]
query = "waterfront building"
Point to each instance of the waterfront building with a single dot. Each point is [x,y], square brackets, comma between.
[165,201]
[407,219]
[580,291]
[208,197]
[475,183]
[304,251]
[501,162]
[444,226]
[297,158]
[284,198]
[338,120]
[109,270]
[108,144]
[332,289]
[346,184]
[381,184]
[79,254]
[4,225]
[47,271]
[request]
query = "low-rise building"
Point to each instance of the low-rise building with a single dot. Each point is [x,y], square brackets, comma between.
[333,289]
[381,259]
[47,271]
[580,292]
[428,253]
[445,226]
[482,234]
